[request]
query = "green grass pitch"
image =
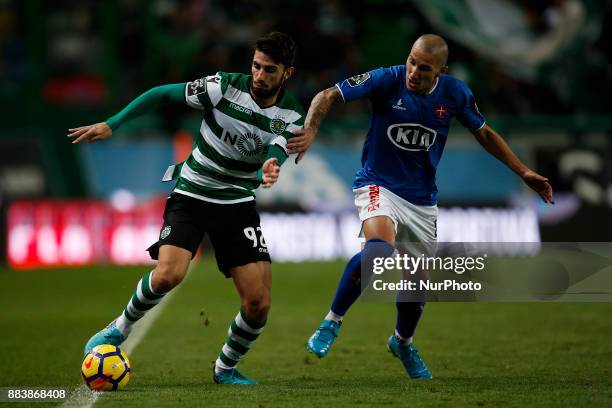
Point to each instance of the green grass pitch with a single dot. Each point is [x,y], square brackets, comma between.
[481,354]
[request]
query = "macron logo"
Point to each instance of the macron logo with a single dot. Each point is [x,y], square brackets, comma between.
[399,105]
[241,109]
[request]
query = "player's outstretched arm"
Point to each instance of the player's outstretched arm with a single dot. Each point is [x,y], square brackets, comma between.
[319,107]
[142,104]
[90,133]
[497,146]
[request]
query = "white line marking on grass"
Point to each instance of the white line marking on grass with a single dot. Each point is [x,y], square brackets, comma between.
[82,396]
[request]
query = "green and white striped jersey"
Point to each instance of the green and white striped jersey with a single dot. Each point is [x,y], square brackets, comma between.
[234,138]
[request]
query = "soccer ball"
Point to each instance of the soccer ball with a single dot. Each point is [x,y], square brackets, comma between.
[106,368]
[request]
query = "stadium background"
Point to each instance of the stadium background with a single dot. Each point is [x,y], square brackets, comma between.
[541,72]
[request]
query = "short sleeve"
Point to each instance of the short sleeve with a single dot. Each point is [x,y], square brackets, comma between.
[204,93]
[468,114]
[367,84]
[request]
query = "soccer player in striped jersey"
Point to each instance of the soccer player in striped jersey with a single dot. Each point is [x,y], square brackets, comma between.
[247,120]
[395,189]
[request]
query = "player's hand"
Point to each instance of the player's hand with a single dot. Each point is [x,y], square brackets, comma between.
[300,142]
[540,185]
[90,133]
[270,172]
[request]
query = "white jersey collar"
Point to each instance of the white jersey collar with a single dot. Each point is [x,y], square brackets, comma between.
[433,88]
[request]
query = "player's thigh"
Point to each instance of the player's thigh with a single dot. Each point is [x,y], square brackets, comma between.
[381,227]
[237,237]
[417,228]
[182,226]
[179,239]
[419,223]
[376,213]
[172,265]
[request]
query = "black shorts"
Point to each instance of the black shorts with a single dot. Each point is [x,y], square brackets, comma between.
[233,229]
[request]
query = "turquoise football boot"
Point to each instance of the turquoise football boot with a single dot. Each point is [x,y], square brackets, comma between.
[321,341]
[232,376]
[409,356]
[108,335]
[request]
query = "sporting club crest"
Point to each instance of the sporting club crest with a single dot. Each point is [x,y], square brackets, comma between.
[165,232]
[278,126]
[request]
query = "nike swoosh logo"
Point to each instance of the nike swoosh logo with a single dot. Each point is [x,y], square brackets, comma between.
[88,363]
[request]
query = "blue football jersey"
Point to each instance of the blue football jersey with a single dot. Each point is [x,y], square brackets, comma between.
[408,131]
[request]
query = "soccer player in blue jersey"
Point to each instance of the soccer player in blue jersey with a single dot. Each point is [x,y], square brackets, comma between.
[395,189]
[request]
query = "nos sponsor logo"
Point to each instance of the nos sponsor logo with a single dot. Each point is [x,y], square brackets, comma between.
[249,144]
[411,136]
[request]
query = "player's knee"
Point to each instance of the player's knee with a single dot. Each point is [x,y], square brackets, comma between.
[166,277]
[257,307]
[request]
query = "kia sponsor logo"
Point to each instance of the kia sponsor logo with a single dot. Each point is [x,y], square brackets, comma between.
[411,136]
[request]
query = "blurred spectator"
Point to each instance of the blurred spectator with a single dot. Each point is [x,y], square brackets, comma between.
[103,54]
[73,54]
[603,53]
[131,38]
[13,69]
[179,37]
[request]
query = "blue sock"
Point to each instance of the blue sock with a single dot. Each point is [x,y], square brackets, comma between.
[350,285]
[408,316]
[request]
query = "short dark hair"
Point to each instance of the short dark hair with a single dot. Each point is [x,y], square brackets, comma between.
[278,46]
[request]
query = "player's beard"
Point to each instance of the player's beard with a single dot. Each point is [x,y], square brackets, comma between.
[266,92]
